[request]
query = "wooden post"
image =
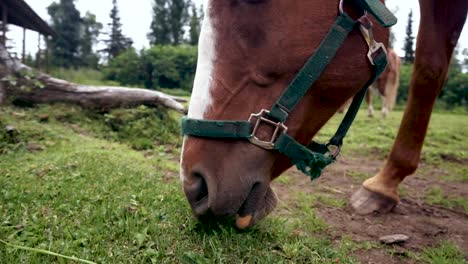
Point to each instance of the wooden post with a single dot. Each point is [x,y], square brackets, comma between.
[47,42]
[4,22]
[23,55]
[38,56]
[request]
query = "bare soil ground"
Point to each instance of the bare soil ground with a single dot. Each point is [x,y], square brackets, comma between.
[425,224]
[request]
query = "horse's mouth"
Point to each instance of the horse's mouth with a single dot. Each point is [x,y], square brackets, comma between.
[260,201]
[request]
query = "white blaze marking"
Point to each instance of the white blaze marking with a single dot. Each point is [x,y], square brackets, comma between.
[201,96]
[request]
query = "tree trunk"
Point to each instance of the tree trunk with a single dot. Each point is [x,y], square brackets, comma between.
[41,88]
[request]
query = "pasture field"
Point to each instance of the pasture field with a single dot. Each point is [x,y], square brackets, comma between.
[105,188]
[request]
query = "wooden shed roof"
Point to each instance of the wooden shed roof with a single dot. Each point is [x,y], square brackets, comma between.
[21,14]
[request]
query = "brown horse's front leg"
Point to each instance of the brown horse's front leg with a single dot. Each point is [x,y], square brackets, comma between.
[441,25]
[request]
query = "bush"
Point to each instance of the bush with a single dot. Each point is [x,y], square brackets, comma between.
[155,68]
[405,78]
[126,69]
[454,93]
[82,76]
[142,127]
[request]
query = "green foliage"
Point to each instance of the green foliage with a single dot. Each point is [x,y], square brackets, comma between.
[90,33]
[126,69]
[116,42]
[409,40]
[435,196]
[405,78]
[157,67]
[142,128]
[195,25]
[178,18]
[29,60]
[22,81]
[82,76]
[455,91]
[160,28]
[73,47]
[66,22]
[445,253]
[169,19]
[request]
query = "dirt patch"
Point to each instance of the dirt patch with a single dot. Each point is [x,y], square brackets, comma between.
[453,158]
[425,224]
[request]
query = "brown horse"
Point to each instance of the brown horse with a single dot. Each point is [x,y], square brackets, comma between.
[250,50]
[386,85]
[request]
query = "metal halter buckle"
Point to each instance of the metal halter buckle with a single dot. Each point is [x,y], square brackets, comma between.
[333,150]
[365,27]
[262,117]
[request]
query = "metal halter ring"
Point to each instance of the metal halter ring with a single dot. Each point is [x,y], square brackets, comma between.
[262,117]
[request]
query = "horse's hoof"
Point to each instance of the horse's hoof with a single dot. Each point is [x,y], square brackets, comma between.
[367,202]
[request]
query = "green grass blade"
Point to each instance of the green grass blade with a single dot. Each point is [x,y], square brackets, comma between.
[47,252]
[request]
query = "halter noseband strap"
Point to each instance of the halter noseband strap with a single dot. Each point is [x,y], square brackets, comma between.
[311,159]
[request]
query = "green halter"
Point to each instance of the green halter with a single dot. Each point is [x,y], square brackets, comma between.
[311,159]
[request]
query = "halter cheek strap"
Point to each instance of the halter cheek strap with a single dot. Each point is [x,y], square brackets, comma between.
[311,159]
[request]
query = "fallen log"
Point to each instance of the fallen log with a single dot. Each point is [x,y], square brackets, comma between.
[22,83]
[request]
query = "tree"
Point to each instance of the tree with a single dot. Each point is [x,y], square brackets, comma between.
[117,42]
[66,22]
[29,60]
[464,60]
[20,83]
[169,19]
[178,19]
[194,32]
[160,28]
[89,33]
[409,40]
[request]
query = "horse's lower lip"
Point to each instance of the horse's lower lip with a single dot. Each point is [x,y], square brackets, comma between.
[260,201]
[255,196]
[244,222]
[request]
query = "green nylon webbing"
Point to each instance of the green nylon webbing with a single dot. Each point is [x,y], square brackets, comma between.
[216,128]
[313,68]
[309,162]
[380,62]
[379,11]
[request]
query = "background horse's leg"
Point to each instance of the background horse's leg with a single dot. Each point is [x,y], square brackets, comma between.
[391,81]
[383,90]
[369,103]
[440,28]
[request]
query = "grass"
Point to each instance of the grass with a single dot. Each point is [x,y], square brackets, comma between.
[176,92]
[446,143]
[104,188]
[445,252]
[436,196]
[103,201]
[82,76]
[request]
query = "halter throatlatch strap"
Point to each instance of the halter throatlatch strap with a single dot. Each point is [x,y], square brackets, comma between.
[311,159]
[313,68]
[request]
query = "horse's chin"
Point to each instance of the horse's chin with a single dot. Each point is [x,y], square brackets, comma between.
[258,205]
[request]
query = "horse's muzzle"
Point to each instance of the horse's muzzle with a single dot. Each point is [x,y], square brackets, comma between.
[248,202]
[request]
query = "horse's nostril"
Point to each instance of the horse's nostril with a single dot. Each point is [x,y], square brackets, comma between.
[201,186]
[196,190]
